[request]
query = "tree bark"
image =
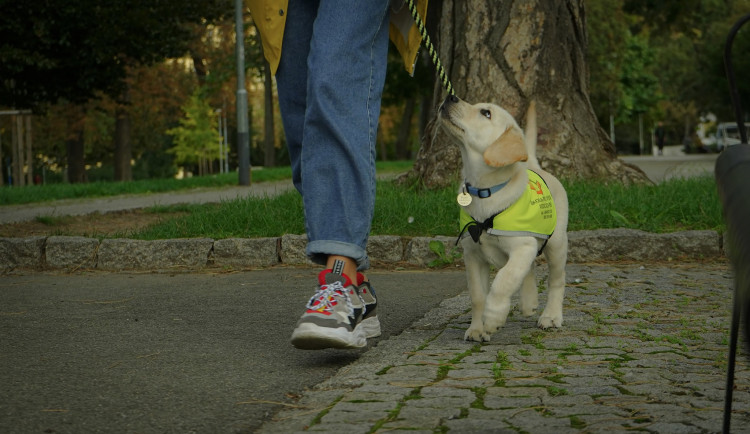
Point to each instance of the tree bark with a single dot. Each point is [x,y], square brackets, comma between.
[18,150]
[402,138]
[510,53]
[200,68]
[74,144]
[2,162]
[29,154]
[123,148]
[76,164]
[426,113]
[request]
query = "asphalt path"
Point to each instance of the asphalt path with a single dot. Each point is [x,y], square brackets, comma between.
[673,165]
[192,352]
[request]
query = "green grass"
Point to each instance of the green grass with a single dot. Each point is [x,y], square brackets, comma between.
[253,218]
[411,211]
[671,206]
[49,192]
[674,205]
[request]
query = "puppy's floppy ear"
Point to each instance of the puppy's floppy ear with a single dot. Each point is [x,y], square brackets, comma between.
[509,148]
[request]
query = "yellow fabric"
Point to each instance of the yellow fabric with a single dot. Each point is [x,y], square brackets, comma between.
[532,214]
[270,18]
[404,33]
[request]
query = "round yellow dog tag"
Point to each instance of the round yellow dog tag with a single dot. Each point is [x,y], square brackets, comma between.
[463,198]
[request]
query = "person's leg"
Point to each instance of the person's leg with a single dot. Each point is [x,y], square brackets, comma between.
[346,72]
[291,78]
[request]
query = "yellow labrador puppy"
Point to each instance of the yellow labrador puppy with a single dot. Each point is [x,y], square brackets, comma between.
[511,211]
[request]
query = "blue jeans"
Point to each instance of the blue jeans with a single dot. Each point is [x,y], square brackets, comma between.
[330,81]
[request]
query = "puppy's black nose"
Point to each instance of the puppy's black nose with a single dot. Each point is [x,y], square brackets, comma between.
[449,100]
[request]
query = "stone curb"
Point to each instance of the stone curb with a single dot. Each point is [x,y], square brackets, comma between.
[72,253]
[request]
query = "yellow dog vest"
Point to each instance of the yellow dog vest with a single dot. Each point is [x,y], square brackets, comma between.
[533,214]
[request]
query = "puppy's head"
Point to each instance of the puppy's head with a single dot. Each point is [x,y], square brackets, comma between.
[484,128]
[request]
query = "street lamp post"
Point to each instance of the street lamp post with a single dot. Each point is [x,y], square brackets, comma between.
[221,141]
[243,135]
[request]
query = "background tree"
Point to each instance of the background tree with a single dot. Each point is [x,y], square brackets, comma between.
[53,49]
[409,95]
[640,86]
[196,139]
[687,40]
[608,29]
[513,52]
[678,49]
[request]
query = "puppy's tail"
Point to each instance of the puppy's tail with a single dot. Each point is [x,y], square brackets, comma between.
[531,135]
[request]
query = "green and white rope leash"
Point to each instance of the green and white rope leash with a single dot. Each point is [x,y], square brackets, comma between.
[430,48]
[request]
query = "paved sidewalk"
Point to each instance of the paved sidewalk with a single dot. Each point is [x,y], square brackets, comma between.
[643,348]
[673,165]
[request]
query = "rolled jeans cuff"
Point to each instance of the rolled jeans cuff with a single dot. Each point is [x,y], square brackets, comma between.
[319,251]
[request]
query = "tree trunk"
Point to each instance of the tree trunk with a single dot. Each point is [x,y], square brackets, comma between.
[200,69]
[269,136]
[18,150]
[509,53]
[123,148]
[76,164]
[425,114]
[402,138]
[686,136]
[29,154]
[2,162]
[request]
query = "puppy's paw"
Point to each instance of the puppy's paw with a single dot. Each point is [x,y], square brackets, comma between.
[476,335]
[546,322]
[494,318]
[528,303]
[528,310]
[493,324]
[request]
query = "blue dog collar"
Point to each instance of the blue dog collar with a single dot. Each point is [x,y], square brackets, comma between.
[484,193]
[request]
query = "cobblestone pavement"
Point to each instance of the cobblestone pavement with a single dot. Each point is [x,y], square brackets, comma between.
[643,348]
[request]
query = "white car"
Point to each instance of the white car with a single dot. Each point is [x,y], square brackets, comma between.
[728,134]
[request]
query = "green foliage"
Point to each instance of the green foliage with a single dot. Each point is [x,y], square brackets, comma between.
[197,137]
[444,258]
[640,85]
[154,165]
[663,60]
[51,49]
[621,64]
[399,85]
[607,26]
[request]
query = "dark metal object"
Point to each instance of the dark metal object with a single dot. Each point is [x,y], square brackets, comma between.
[732,169]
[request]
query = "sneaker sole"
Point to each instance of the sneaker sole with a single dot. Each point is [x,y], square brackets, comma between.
[370,326]
[313,337]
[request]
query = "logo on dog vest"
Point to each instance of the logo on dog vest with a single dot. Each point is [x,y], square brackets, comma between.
[533,214]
